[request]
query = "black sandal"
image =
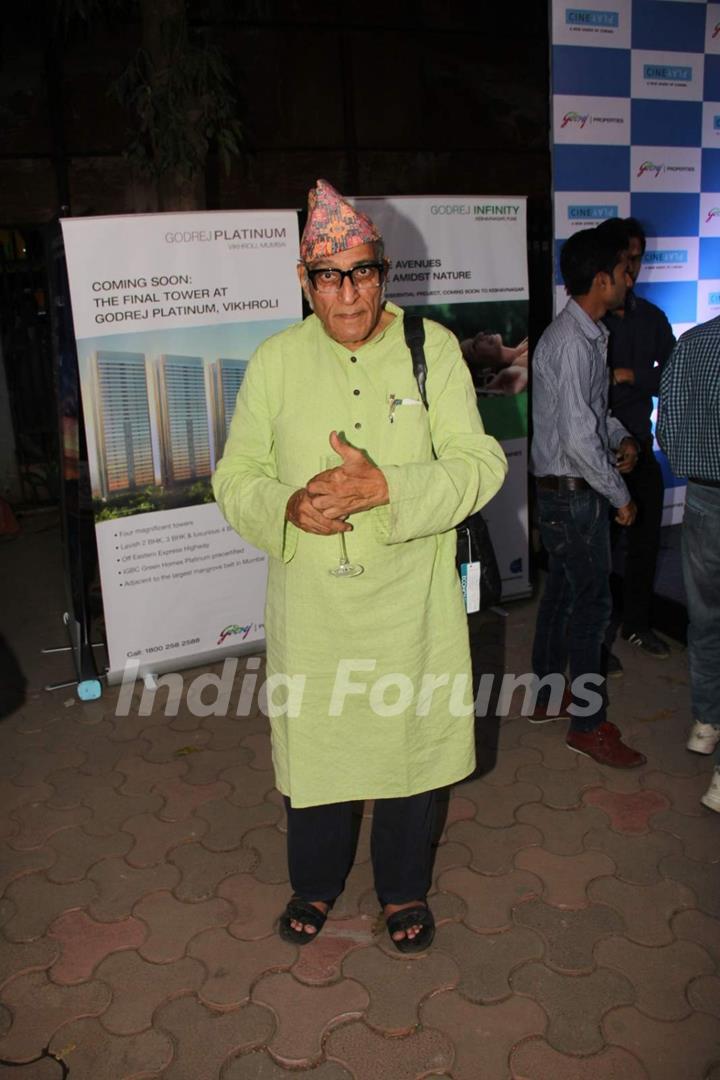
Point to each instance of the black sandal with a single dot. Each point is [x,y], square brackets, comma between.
[418,915]
[305,912]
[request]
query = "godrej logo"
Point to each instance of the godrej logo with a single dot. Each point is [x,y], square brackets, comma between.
[715,212]
[716,31]
[229,631]
[575,118]
[651,167]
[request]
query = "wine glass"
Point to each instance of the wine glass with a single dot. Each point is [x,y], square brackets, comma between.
[344,567]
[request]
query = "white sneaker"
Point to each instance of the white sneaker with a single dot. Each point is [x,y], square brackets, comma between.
[711,798]
[703,738]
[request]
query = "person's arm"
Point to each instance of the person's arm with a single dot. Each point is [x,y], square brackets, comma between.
[245,483]
[579,426]
[431,497]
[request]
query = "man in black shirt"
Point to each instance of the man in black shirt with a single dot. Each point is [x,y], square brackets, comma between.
[641,340]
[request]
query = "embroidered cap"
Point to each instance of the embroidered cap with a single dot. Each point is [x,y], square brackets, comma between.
[333,225]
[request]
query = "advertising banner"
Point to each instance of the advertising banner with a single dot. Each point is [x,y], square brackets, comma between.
[167,310]
[462,260]
[636,131]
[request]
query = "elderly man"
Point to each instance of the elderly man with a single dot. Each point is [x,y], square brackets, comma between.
[334,467]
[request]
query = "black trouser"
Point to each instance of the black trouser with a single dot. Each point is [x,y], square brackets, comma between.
[646,488]
[321,842]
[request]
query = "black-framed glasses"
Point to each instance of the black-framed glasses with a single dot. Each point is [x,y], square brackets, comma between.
[327,279]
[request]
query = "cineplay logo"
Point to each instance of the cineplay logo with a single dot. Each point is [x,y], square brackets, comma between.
[713,299]
[666,257]
[668,73]
[592,211]
[594,20]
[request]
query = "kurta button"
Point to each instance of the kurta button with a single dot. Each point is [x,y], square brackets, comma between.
[358,425]
[356,392]
[353,359]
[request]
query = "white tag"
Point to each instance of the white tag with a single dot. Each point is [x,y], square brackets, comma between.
[470,578]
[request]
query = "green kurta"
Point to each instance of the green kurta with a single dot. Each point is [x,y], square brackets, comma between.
[373,727]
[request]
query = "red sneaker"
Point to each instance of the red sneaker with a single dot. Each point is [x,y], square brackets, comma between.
[605,746]
[541,714]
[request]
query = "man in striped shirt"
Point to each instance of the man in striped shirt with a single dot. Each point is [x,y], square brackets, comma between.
[689,433]
[578,456]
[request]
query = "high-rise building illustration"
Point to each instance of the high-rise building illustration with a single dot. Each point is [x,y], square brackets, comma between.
[228,375]
[186,445]
[122,415]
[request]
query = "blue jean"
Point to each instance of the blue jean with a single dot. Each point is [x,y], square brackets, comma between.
[575,608]
[701,572]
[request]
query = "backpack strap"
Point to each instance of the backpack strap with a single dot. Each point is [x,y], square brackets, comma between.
[415,339]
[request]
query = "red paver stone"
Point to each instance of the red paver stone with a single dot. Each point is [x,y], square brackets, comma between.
[562,830]
[233,966]
[249,786]
[459,809]
[38,822]
[89,1050]
[496,806]
[683,791]
[398,984]
[37,763]
[85,943]
[228,825]
[227,732]
[627,813]
[548,741]
[446,907]
[206,1040]
[139,987]
[493,849]
[39,901]
[704,994]
[490,899]
[575,1004]
[320,961]
[18,959]
[104,754]
[702,878]
[71,788]
[119,886]
[646,909]
[569,935]
[565,878]
[676,1051]
[155,838]
[205,767]
[39,1007]
[359,895]
[560,788]
[203,870]
[139,776]
[172,924]
[369,1055]
[700,928]
[506,766]
[166,744]
[271,846]
[76,852]
[304,1013]
[258,1065]
[259,744]
[660,976]
[699,836]
[182,800]
[486,960]
[112,811]
[257,905]
[637,858]
[15,864]
[482,1035]
[535,1060]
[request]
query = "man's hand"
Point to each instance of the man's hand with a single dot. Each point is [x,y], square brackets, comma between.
[301,512]
[627,455]
[623,375]
[354,485]
[626,514]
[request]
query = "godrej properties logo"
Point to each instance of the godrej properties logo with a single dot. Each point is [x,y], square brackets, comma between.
[716,31]
[575,118]
[232,630]
[650,167]
[714,213]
